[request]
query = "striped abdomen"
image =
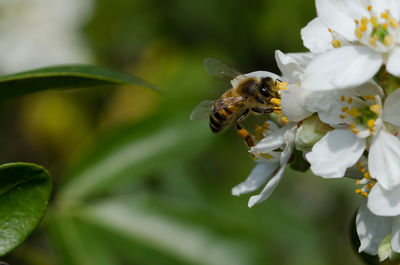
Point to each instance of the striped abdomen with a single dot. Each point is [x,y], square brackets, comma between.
[226,113]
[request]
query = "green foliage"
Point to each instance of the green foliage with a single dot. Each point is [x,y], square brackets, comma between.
[65,77]
[24,193]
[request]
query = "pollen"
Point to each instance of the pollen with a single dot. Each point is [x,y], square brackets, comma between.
[275,101]
[393,22]
[375,108]
[388,40]
[336,43]
[284,119]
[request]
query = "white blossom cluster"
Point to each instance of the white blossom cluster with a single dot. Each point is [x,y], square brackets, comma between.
[342,111]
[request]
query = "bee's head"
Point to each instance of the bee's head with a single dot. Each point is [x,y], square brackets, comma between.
[266,86]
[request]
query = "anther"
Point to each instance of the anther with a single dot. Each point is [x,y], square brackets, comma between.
[358,191]
[275,101]
[385,15]
[365,194]
[344,109]
[374,21]
[284,119]
[373,40]
[342,116]
[350,100]
[336,43]
[375,108]
[342,98]
[385,25]
[363,27]
[366,175]
[358,33]
[357,182]
[353,112]
[359,164]
[356,21]
[369,8]
[371,123]
[355,131]
[388,40]
[393,22]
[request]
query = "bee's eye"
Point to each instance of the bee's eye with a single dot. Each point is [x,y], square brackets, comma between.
[264,91]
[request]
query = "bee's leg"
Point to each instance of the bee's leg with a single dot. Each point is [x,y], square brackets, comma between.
[242,132]
[262,111]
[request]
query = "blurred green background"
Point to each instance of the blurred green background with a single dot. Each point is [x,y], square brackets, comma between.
[137,182]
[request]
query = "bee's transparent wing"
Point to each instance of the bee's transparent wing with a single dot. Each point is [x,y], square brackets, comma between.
[220,69]
[206,107]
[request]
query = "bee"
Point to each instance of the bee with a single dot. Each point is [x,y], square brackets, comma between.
[255,92]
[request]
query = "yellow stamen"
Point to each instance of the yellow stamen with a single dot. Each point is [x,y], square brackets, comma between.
[342,98]
[368,97]
[385,25]
[275,101]
[344,109]
[374,21]
[371,123]
[375,108]
[365,194]
[393,22]
[388,40]
[350,100]
[369,8]
[355,131]
[357,182]
[364,21]
[363,27]
[352,126]
[358,191]
[284,119]
[359,164]
[353,112]
[370,185]
[329,30]
[367,175]
[342,116]
[385,15]
[362,170]
[358,33]
[357,22]
[373,40]
[336,43]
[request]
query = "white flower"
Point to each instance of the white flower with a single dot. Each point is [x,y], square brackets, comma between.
[293,97]
[373,229]
[273,153]
[360,123]
[36,33]
[365,34]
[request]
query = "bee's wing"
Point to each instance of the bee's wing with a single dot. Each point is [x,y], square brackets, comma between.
[206,107]
[220,69]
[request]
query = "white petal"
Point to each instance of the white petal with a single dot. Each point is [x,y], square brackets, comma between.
[316,36]
[293,102]
[339,15]
[292,65]
[258,176]
[268,189]
[342,68]
[396,234]
[335,152]
[384,159]
[384,202]
[393,64]
[271,142]
[290,136]
[371,229]
[391,110]
[380,6]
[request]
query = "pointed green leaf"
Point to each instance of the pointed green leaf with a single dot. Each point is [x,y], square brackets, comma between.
[65,77]
[24,193]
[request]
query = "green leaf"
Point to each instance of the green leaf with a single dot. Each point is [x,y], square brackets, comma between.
[65,77]
[24,193]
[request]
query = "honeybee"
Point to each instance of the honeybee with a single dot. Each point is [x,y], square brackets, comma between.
[254,92]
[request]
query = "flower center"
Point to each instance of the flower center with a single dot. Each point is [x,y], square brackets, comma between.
[361,112]
[366,181]
[376,30]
